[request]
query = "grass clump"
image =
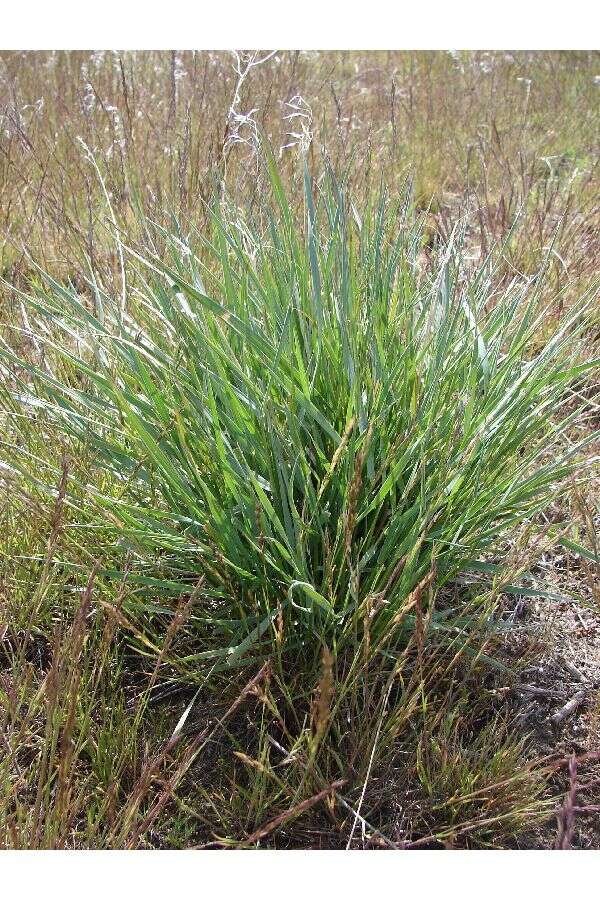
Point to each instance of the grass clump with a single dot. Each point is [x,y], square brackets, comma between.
[314,439]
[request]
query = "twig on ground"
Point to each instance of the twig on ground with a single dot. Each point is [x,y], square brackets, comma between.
[569,708]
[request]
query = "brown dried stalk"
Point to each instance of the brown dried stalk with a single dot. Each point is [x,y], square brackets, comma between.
[293,813]
[186,761]
[566,815]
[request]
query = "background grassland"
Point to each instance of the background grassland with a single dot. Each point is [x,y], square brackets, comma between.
[481,132]
[321,748]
